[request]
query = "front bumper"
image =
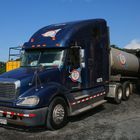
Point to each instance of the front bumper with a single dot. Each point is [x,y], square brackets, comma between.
[24,117]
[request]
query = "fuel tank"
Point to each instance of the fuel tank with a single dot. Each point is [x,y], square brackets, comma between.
[124,63]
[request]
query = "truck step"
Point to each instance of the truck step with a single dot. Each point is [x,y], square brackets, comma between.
[88,107]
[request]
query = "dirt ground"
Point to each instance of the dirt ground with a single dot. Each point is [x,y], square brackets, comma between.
[109,121]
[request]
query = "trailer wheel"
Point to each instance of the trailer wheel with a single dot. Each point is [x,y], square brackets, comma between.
[126,91]
[57,114]
[118,94]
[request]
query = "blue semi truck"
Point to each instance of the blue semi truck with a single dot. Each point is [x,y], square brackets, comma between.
[66,69]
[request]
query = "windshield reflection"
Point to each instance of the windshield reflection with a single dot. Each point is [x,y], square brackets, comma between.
[45,58]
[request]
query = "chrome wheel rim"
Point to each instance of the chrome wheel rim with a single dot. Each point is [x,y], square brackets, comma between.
[127,92]
[58,114]
[119,94]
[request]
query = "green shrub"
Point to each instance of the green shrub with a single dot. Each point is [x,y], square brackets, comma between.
[2,67]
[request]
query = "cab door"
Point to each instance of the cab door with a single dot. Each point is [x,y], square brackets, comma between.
[75,68]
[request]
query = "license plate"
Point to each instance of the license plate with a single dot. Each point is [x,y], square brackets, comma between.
[3,121]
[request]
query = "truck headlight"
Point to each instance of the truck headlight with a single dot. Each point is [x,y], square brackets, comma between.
[28,101]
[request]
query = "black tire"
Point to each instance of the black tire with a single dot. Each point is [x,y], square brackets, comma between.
[126,91]
[58,105]
[118,94]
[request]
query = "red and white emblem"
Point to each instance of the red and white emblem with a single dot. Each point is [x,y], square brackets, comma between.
[75,75]
[122,59]
[51,33]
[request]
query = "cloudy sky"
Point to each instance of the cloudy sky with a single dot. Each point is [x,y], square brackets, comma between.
[19,19]
[134,44]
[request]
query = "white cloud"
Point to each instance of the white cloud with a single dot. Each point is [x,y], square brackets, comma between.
[134,44]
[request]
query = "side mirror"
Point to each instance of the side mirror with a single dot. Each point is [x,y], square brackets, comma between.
[82,58]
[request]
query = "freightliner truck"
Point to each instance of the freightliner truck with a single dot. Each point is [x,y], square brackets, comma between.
[66,69]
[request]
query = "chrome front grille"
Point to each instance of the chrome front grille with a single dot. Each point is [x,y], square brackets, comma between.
[8,91]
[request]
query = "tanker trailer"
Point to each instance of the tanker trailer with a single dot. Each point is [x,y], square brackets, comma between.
[124,74]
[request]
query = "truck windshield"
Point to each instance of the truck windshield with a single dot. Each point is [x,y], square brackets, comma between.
[45,58]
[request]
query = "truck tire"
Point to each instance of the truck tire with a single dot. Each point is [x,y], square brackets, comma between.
[126,91]
[118,94]
[57,114]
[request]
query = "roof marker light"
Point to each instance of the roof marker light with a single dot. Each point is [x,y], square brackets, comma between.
[58,45]
[38,45]
[32,40]
[54,38]
[44,45]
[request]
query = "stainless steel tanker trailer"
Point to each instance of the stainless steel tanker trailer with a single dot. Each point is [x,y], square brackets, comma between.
[124,73]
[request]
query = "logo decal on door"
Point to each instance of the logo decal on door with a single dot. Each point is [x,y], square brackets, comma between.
[75,75]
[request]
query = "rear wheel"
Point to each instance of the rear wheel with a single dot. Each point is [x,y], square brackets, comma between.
[57,114]
[126,91]
[118,94]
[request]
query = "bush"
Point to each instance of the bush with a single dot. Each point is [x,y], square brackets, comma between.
[2,67]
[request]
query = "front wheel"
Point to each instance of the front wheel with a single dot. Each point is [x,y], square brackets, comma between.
[57,114]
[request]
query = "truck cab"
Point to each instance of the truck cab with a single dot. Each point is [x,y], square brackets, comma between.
[64,71]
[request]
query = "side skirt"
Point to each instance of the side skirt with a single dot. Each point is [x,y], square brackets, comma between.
[87,107]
